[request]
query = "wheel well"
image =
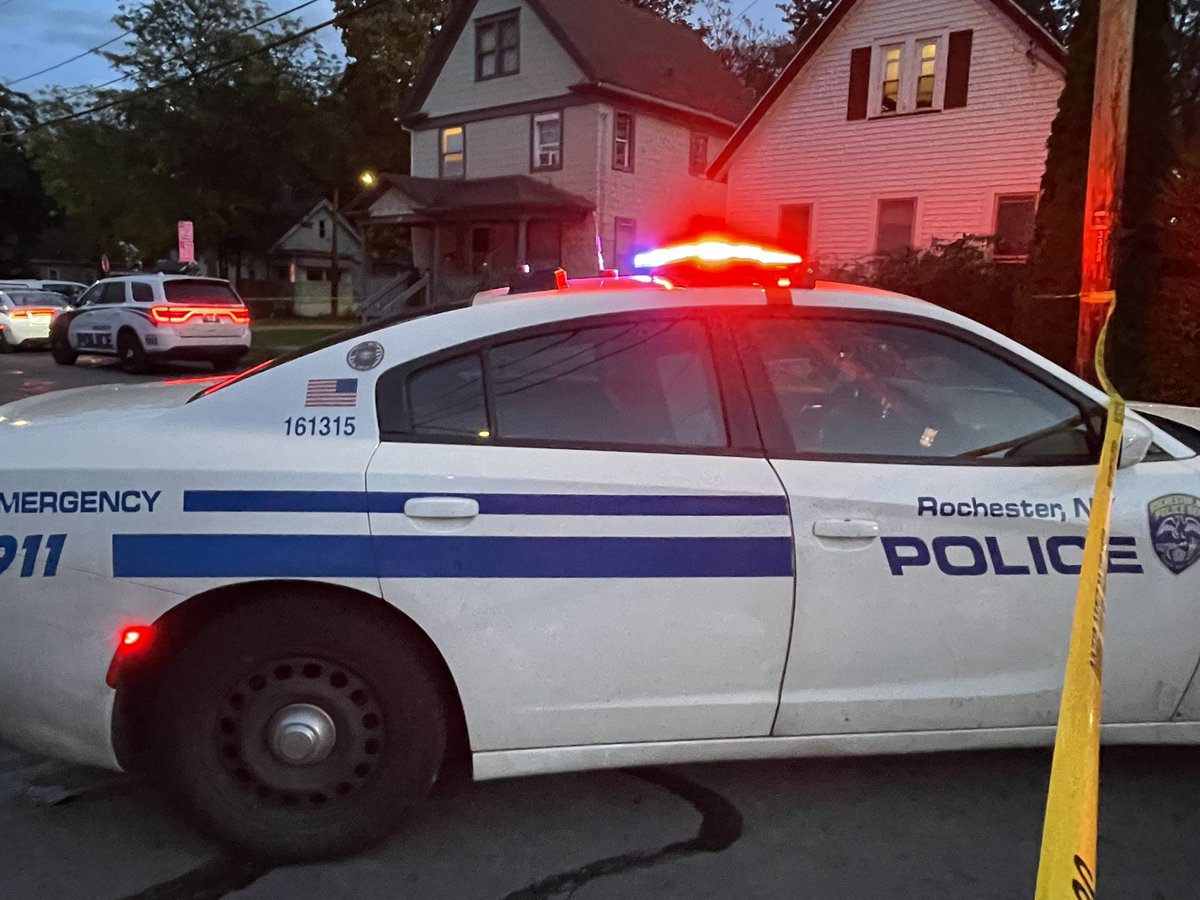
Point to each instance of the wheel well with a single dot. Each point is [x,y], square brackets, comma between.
[138,684]
[126,329]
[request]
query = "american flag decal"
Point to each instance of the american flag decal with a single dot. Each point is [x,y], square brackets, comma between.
[331,392]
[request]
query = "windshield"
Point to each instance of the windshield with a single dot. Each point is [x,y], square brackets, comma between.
[211,293]
[349,334]
[34,298]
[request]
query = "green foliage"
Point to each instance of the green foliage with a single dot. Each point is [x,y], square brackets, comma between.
[674,10]
[24,207]
[223,148]
[386,47]
[803,17]
[957,276]
[747,49]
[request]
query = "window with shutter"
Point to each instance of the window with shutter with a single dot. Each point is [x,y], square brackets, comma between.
[958,69]
[860,83]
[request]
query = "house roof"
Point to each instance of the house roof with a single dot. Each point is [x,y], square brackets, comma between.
[616,45]
[1010,9]
[321,206]
[443,197]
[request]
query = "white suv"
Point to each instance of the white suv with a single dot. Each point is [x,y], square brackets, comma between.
[143,319]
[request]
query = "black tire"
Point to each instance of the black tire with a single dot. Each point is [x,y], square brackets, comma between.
[132,354]
[213,714]
[61,350]
[5,346]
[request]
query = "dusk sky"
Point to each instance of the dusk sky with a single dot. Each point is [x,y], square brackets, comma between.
[35,34]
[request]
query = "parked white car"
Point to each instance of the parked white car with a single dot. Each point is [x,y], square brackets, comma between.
[144,319]
[25,317]
[603,526]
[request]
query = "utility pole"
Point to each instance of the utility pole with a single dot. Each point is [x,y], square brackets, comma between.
[336,274]
[1106,170]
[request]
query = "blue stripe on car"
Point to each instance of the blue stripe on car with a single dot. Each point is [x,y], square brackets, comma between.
[406,556]
[489,504]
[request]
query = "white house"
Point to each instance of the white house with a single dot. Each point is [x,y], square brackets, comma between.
[899,124]
[305,251]
[544,131]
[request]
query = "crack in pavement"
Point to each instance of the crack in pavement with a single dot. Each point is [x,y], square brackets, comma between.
[210,881]
[720,827]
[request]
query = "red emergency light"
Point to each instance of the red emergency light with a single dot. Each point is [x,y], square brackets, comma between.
[722,262]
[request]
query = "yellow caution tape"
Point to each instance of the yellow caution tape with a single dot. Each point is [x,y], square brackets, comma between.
[1067,867]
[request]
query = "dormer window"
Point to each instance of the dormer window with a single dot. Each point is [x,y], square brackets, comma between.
[921,73]
[497,46]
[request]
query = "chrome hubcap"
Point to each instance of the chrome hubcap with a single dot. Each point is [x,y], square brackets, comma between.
[301,734]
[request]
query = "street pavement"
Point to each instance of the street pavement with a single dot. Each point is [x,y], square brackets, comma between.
[944,825]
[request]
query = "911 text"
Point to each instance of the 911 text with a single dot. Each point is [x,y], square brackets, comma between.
[29,548]
[319,426]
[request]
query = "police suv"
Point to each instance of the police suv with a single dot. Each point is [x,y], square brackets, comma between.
[612,523]
[143,319]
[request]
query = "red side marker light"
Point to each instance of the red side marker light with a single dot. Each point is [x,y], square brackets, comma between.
[132,642]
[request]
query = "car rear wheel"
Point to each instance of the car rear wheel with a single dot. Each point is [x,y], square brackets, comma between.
[61,350]
[132,354]
[295,728]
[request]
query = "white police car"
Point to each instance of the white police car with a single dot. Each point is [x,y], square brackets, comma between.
[143,319]
[610,525]
[25,317]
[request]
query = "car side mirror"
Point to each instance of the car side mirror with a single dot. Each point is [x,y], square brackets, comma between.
[1136,440]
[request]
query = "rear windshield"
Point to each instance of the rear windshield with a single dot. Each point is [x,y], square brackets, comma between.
[35,298]
[208,292]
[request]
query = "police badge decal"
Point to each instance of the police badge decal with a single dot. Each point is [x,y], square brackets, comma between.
[1175,530]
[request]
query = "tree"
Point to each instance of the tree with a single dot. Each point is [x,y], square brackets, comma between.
[25,206]
[746,48]
[1056,16]
[675,10]
[805,16]
[387,47]
[192,138]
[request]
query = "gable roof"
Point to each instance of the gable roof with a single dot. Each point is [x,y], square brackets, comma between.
[615,45]
[1010,9]
[322,206]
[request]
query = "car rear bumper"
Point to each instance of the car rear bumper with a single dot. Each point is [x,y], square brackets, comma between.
[19,333]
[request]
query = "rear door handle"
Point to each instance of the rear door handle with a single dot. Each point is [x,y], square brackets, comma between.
[846,528]
[441,508]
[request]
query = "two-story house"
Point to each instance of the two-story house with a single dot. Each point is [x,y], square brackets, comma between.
[557,132]
[898,124]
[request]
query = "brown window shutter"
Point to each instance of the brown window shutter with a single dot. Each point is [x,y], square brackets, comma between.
[958,69]
[860,83]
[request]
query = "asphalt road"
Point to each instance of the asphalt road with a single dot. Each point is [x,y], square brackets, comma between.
[946,825]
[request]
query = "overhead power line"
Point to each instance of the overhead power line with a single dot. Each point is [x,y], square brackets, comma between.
[99,47]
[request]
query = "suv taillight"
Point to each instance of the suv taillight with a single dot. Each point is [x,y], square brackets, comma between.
[178,315]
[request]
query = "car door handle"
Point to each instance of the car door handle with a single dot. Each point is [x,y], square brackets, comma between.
[441,508]
[846,528]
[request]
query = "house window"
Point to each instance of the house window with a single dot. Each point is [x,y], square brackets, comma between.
[623,142]
[698,154]
[795,227]
[889,90]
[895,224]
[321,228]
[909,76]
[454,152]
[624,237]
[1014,225]
[547,141]
[497,47]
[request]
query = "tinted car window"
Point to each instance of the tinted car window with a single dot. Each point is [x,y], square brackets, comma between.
[848,388]
[447,399]
[91,295]
[185,290]
[641,383]
[112,292]
[142,292]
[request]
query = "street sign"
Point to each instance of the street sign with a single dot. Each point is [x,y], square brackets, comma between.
[187,244]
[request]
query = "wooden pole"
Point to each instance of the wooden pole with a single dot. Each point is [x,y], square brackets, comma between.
[336,274]
[1106,169]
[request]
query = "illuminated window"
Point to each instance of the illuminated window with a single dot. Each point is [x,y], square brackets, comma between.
[623,142]
[889,92]
[698,154]
[895,223]
[1014,225]
[927,76]
[547,141]
[497,47]
[454,152]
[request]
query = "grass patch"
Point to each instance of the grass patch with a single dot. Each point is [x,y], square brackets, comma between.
[269,342]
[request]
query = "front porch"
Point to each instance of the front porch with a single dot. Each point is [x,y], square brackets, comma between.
[471,235]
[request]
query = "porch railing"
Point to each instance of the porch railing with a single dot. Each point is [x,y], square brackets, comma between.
[392,296]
